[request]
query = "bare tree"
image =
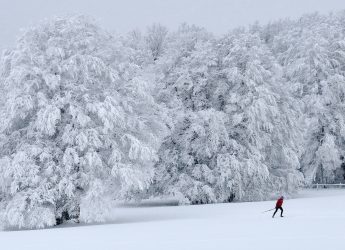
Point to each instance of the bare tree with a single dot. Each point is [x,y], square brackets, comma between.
[155,38]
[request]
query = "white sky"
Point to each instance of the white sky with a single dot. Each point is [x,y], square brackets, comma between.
[217,16]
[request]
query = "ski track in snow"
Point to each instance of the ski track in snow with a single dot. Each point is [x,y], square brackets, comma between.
[314,220]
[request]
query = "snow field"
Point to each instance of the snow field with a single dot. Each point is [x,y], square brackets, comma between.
[314,220]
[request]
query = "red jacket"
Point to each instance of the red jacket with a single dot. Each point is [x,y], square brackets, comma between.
[279,202]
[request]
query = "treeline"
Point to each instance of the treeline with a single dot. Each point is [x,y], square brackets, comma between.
[90,118]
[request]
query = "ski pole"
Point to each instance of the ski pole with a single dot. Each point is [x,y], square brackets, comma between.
[268,210]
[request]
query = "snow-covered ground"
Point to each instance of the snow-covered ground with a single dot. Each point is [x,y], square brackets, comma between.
[314,220]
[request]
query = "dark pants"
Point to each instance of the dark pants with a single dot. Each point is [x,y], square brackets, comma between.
[281,213]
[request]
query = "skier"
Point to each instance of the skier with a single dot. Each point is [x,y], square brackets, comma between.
[279,206]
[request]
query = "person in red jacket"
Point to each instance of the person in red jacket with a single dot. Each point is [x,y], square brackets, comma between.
[279,205]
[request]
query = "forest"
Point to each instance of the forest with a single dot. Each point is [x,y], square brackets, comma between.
[90,118]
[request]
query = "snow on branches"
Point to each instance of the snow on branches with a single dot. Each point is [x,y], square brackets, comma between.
[75,131]
[89,117]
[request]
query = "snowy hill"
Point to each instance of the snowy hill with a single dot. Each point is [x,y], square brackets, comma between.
[313,220]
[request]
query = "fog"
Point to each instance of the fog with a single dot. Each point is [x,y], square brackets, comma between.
[217,16]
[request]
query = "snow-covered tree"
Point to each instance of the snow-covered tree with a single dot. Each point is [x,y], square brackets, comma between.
[155,39]
[79,129]
[184,72]
[262,120]
[200,164]
[236,78]
[311,54]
